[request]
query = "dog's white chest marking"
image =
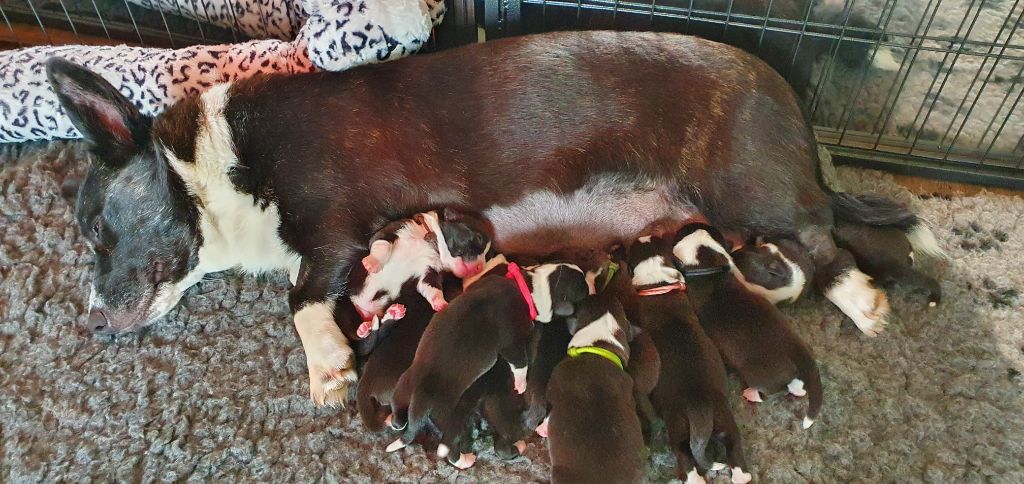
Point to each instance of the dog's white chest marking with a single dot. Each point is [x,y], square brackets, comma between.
[236,231]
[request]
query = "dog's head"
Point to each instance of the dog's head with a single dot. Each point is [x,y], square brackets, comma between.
[768,271]
[701,251]
[132,207]
[651,264]
[600,320]
[463,241]
[556,287]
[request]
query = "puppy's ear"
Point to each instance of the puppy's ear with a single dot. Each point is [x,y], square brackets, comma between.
[564,309]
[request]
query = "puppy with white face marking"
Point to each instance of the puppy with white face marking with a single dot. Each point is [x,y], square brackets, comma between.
[420,248]
[492,318]
[777,269]
[690,394]
[594,433]
[751,334]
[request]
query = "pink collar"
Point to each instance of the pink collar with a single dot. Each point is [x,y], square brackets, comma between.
[655,291]
[516,274]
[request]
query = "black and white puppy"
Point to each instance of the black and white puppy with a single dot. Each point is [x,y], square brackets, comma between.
[752,335]
[690,394]
[492,318]
[594,431]
[390,358]
[778,269]
[420,247]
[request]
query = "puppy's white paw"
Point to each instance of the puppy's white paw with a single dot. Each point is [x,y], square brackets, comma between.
[865,304]
[443,451]
[396,445]
[329,358]
[542,429]
[520,446]
[740,477]
[752,395]
[807,423]
[796,388]
[465,461]
[694,477]
[519,378]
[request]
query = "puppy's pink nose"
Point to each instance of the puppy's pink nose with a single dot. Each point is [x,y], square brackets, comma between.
[463,270]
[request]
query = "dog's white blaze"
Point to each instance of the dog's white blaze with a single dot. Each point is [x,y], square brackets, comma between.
[853,294]
[740,477]
[923,240]
[601,329]
[605,205]
[655,270]
[434,224]
[694,477]
[686,249]
[540,289]
[236,231]
[788,293]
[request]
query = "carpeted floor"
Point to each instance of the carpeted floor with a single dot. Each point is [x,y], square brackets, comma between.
[218,389]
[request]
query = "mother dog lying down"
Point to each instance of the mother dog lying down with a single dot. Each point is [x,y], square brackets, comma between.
[564,139]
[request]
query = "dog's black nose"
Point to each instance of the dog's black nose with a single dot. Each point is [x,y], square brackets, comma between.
[99,323]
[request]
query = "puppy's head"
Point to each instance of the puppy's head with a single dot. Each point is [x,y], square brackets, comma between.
[463,241]
[700,251]
[600,320]
[557,287]
[769,272]
[650,262]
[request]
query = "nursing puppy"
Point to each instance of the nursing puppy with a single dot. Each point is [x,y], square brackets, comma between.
[690,394]
[749,331]
[420,247]
[887,254]
[547,349]
[594,432]
[492,318]
[777,269]
[391,357]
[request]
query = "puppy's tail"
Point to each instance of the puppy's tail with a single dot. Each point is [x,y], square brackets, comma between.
[874,210]
[702,425]
[807,369]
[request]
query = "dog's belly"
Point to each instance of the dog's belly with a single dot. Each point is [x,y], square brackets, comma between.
[595,216]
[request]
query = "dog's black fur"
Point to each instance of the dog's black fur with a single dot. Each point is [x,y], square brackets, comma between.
[547,349]
[594,431]
[690,394]
[752,335]
[885,253]
[495,398]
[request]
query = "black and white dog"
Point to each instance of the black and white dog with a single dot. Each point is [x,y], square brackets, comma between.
[295,172]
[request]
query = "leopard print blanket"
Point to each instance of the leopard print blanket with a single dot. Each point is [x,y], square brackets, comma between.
[334,35]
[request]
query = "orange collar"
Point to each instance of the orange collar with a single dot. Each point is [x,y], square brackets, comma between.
[658,290]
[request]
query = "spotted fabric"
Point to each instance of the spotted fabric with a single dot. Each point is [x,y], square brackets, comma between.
[337,35]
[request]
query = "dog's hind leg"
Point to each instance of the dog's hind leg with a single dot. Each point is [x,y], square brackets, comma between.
[728,433]
[837,276]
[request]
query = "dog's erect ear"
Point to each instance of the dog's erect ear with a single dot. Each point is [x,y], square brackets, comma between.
[105,118]
[564,309]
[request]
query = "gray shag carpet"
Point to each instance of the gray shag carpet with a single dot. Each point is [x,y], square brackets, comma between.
[218,389]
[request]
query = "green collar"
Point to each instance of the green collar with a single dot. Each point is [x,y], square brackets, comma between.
[594,350]
[609,273]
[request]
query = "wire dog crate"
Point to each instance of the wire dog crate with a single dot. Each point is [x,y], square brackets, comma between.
[948,105]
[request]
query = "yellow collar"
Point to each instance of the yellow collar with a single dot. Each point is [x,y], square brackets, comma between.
[594,350]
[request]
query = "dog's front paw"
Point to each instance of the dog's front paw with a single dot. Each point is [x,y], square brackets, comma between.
[437,302]
[329,358]
[371,264]
[864,303]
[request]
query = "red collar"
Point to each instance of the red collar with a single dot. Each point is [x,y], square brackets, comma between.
[658,290]
[516,274]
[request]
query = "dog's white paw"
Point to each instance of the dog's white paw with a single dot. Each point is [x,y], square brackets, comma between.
[694,477]
[864,303]
[465,461]
[740,477]
[542,429]
[396,445]
[796,388]
[752,395]
[329,358]
[520,446]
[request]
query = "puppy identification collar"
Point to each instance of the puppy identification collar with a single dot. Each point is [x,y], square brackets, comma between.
[596,350]
[516,274]
[655,291]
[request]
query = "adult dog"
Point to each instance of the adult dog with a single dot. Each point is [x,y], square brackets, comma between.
[563,139]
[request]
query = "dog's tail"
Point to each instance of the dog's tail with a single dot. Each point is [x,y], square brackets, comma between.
[807,370]
[879,211]
[369,407]
[702,425]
